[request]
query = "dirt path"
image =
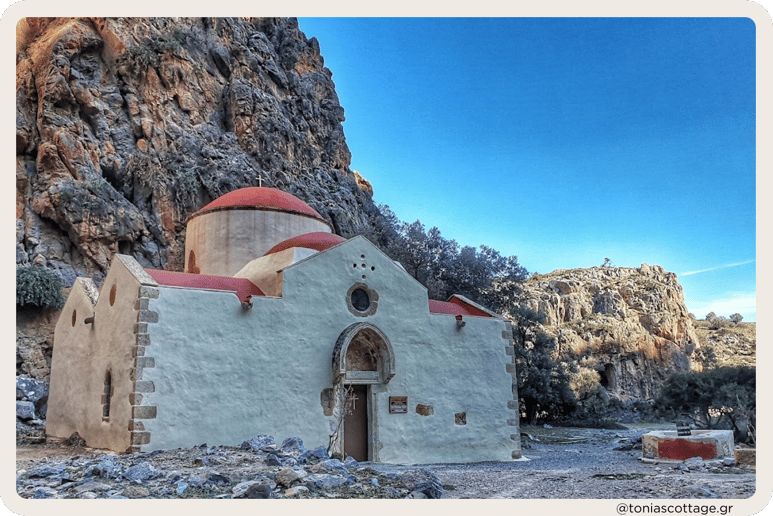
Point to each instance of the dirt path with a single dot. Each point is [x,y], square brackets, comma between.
[582,463]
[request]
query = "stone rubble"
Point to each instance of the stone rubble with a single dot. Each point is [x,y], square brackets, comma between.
[558,463]
[258,468]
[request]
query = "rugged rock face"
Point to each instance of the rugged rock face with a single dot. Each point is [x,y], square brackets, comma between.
[34,341]
[630,325]
[731,344]
[126,126]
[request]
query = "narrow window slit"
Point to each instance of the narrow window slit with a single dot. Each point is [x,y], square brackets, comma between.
[106,397]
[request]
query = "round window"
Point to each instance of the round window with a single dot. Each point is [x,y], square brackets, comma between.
[360,299]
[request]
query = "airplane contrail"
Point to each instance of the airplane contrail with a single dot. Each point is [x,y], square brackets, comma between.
[725,266]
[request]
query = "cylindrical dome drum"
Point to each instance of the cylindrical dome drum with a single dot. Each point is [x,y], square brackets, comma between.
[242,225]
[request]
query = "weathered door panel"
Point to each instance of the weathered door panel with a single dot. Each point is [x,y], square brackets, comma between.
[356,425]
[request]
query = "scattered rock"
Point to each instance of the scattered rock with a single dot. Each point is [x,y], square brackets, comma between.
[25,410]
[701,492]
[106,467]
[135,492]
[288,476]
[92,486]
[324,481]
[332,466]
[624,445]
[259,491]
[424,481]
[317,454]
[181,488]
[296,491]
[141,472]
[293,446]
[31,389]
[47,471]
[44,492]
[75,440]
[694,463]
[263,443]
[240,489]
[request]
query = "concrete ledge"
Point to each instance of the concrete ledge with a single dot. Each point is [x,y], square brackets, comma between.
[708,444]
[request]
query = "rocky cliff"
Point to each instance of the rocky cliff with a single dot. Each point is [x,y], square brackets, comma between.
[125,126]
[629,326]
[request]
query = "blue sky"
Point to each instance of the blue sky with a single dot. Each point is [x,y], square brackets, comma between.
[563,141]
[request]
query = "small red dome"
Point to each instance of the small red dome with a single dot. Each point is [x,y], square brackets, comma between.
[260,198]
[317,241]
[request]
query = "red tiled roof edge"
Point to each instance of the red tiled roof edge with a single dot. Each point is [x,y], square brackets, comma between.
[455,306]
[242,287]
[469,308]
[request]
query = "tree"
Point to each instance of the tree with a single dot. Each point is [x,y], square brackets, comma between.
[474,273]
[544,389]
[39,287]
[440,264]
[720,396]
[736,318]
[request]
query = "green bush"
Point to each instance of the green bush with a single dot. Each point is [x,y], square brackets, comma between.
[38,287]
[148,53]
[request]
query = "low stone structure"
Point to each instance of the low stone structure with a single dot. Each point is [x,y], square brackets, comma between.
[668,445]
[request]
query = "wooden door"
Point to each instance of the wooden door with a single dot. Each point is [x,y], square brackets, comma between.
[356,425]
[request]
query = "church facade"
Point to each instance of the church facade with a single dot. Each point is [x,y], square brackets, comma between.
[280,327]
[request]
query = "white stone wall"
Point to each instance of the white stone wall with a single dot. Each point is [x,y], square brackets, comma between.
[223,374]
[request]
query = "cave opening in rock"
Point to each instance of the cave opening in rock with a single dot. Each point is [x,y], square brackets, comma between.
[608,377]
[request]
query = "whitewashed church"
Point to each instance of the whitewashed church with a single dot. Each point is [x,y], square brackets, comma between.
[280,327]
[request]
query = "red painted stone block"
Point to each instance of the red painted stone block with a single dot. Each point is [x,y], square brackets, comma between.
[681,449]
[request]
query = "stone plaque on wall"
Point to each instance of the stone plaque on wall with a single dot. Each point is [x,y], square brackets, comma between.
[398,404]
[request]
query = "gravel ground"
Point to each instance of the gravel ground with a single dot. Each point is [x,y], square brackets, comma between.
[559,463]
[582,463]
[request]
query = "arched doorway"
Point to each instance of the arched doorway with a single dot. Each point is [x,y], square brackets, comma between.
[362,358]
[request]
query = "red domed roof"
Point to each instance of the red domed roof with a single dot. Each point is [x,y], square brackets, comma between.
[317,241]
[260,198]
